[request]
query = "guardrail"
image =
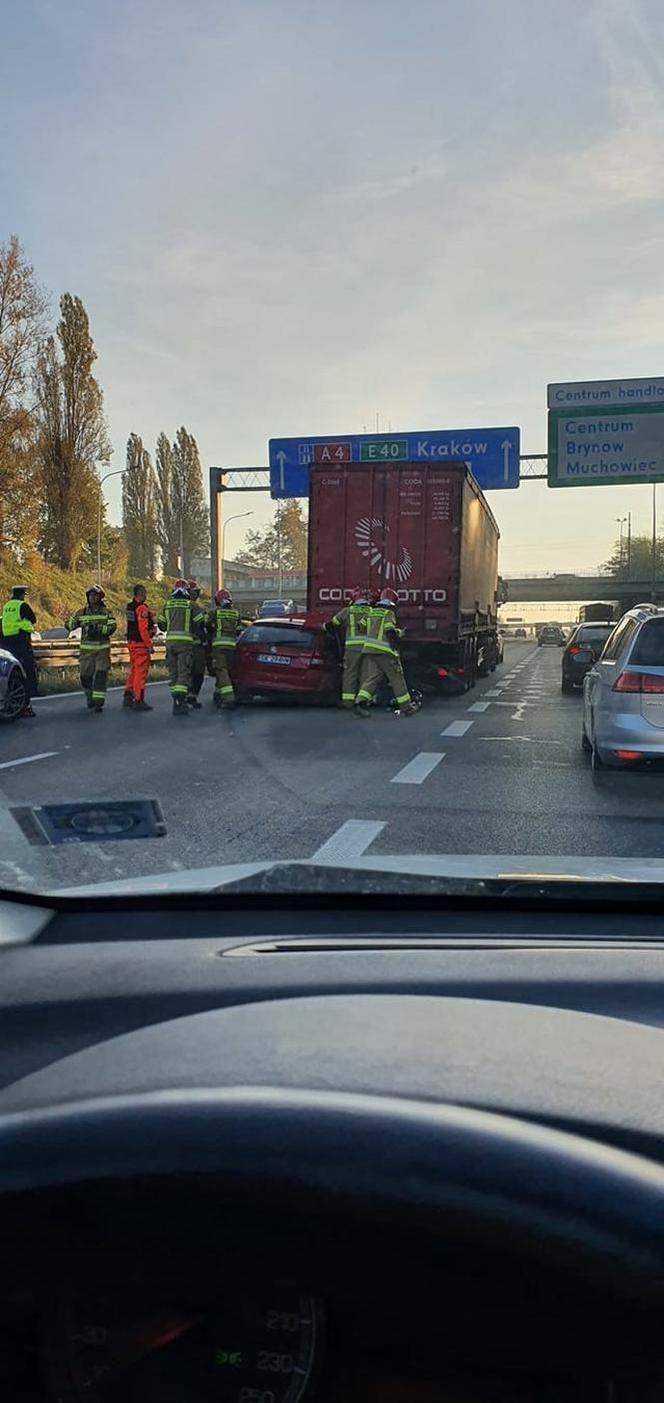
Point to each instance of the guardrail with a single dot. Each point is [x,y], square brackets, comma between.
[64,652]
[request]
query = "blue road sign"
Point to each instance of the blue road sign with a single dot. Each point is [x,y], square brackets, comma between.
[491,454]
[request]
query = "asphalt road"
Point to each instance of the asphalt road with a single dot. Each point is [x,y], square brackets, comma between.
[497,771]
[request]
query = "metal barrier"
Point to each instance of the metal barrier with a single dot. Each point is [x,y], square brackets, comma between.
[64,652]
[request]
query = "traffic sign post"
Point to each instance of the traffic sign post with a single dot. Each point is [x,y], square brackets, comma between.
[606,432]
[491,454]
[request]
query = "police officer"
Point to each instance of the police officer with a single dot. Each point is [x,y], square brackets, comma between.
[225,624]
[18,621]
[96,623]
[380,658]
[353,618]
[178,618]
[199,646]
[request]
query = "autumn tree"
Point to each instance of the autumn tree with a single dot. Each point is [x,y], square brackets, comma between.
[167,520]
[72,436]
[283,541]
[139,510]
[188,507]
[23,310]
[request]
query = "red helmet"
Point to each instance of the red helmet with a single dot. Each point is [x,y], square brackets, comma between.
[359,596]
[180,584]
[389,596]
[223,596]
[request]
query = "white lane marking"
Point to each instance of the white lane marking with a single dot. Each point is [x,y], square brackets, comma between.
[416,771]
[28,759]
[457,728]
[351,840]
[493,693]
[479,706]
[58,696]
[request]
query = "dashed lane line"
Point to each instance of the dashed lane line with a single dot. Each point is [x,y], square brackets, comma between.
[479,706]
[28,759]
[457,728]
[349,841]
[493,693]
[417,770]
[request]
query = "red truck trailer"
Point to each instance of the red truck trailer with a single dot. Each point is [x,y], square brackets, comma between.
[427,532]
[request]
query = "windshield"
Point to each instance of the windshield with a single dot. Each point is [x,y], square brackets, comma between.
[293,637]
[347,315]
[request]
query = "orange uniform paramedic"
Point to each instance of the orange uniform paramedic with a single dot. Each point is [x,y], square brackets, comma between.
[140,633]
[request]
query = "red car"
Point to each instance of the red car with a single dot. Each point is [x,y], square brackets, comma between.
[287,657]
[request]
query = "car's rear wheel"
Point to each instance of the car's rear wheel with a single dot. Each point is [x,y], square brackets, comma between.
[16,698]
[566,686]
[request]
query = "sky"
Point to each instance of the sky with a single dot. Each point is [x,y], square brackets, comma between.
[286,216]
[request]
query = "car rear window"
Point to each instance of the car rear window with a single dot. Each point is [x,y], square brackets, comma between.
[649,645]
[281,635]
[598,634]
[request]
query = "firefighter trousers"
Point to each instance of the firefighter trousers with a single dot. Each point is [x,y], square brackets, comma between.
[179,661]
[375,667]
[94,664]
[351,675]
[197,669]
[221,661]
[139,666]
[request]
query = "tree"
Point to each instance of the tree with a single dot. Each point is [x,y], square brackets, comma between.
[167,522]
[190,515]
[286,535]
[639,564]
[72,435]
[139,510]
[23,309]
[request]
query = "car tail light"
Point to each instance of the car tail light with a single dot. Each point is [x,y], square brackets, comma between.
[627,754]
[317,662]
[574,650]
[638,682]
[442,672]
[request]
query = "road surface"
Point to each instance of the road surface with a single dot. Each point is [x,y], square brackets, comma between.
[497,771]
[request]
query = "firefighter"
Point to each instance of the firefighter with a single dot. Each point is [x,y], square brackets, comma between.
[198,652]
[380,658]
[225,624]
[140,633]
[178,617]
[18,621]
[96,623]
[352,618]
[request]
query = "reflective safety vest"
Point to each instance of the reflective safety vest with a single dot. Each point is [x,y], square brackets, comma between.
[96,629]
[225,624]
[354,619]
[379,622]
[12,623]
[176,620]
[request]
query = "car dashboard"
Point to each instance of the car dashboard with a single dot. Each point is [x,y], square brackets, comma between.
[169,1280]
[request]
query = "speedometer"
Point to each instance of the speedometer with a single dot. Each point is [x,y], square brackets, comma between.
[242,1349]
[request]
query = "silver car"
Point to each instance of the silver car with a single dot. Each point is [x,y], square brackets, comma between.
[623,694]
[13,687]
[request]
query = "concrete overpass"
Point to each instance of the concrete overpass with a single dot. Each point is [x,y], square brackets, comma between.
[527,589]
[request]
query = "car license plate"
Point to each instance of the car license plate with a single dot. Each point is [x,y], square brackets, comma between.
[273,658]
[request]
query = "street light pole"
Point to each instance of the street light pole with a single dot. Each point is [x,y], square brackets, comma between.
[279,566]
[118,472]
[237,516]
[629,544]
[653,548]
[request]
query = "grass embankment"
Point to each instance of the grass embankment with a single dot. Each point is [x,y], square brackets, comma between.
[66,679]
[53,593]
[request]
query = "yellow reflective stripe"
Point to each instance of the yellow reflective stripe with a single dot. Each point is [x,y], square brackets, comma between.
[355,642]
[93,647]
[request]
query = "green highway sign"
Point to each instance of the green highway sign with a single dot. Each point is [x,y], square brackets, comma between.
[605,446]
[381,450]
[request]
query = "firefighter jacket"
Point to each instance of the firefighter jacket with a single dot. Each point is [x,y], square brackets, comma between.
[382,632]
[96,627]
[225,625]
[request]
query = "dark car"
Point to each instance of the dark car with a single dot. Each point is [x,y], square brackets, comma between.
[582,651]
[520,633]
[13,687]
[287,657]
[551,633]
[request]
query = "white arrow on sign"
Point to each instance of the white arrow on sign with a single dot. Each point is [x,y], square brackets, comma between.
[281,459]
[507,449]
